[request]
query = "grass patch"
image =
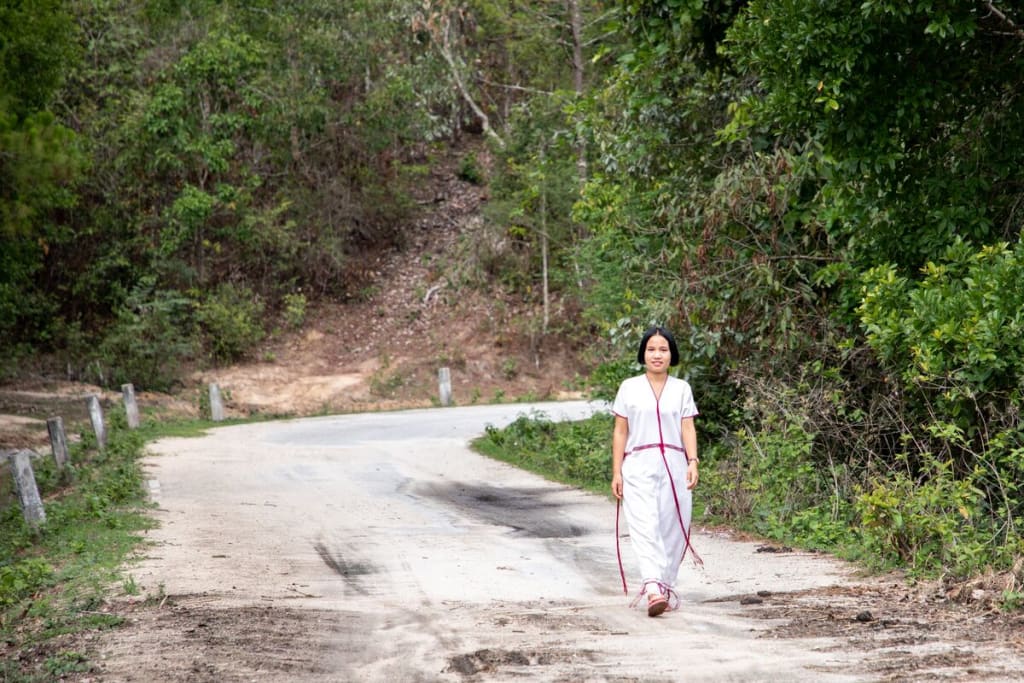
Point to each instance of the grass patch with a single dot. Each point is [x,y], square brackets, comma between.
[574,453]
[57,580]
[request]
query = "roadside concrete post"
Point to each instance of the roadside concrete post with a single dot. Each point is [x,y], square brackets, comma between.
[28,492]
[444,379]
[216,403]
[58,441]
[96,417]
[131,408]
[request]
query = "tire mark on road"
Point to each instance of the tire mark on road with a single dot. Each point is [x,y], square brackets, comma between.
[530,512]
[350,572]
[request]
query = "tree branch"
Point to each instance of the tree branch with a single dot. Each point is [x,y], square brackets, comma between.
[443,47]
[1015,30]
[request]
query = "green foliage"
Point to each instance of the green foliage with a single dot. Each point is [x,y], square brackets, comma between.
[779,476]
[149,340]
[951,342]
[219,143]
[23,578]
[37,43]
[385,382]
[1012,600]
[962,322]
[469,170]
[605,379]
[908,101]
[684,231]
[295,307]
[231,319]
[537,171]
[386,379]
[41,158]
[576,453]
[67,662]
[771,481]
[534,184]
[817,198]
[584,453]
[25,310]
[928,523]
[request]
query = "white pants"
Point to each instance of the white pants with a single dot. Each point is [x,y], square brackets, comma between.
[652,515]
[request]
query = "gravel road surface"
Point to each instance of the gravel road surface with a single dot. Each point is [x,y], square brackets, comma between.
[379,547]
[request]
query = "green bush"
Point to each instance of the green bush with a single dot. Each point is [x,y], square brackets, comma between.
[148,342]
[22,578]
[67,662]
[469,170]
[583,450]
[605,379]
[928,523]
[577,453]
[963,322]
[779,475]
[769,481]
[231,321]
[295,309]
[953,348]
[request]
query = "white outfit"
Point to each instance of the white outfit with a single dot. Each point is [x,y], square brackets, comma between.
[655,500]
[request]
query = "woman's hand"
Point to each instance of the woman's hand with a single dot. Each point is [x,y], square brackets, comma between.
[692,475]
[617,486]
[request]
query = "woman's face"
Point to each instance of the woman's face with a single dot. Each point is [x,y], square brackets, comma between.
[657,355]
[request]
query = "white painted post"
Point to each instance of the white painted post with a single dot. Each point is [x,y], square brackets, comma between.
[444,379]
[131,408]
[28,492]
[216,404]
[96,417]
[58,441]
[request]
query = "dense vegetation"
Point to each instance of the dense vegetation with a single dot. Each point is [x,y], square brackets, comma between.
[822,198]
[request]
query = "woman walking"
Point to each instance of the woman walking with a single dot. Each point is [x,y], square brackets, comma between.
[654,467]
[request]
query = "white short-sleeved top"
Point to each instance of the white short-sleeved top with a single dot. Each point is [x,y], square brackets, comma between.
[654,422]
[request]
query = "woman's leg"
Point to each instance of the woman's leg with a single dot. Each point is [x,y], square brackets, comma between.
[674,505]
[641,484]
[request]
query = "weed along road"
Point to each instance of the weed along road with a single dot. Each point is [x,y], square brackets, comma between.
[379,547]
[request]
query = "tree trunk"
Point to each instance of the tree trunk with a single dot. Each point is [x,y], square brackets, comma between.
[544,248]
[576,24]
[445,46]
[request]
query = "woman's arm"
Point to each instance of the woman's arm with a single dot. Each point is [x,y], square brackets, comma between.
[689,433]
[619,435]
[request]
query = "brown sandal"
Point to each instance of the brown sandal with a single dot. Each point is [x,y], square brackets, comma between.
[656,605]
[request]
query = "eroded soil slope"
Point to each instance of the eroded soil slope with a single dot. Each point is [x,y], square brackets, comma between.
[421,308]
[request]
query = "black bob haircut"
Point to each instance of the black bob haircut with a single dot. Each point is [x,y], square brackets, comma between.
[661,332]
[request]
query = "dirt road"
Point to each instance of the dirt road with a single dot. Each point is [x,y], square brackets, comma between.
[378,547]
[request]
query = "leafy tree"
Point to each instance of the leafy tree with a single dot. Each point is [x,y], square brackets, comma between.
[541,58]
[38,154]
[757,164]
[677,239]
[953,339]
[39,158]
[916,108]
[37,46]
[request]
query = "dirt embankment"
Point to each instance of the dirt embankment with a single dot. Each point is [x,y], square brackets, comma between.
[416,314]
